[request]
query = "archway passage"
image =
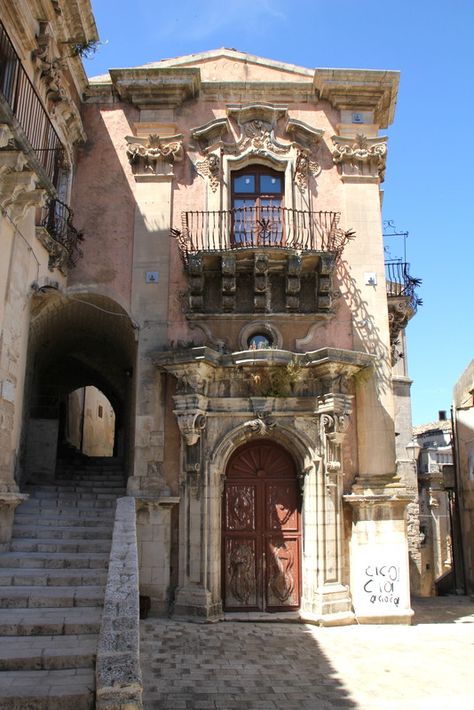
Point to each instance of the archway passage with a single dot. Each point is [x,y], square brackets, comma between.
[261,530]
[80,342]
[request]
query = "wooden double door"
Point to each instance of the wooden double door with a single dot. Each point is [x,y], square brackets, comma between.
[261,530]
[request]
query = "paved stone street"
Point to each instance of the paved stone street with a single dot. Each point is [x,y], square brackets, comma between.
[233,665]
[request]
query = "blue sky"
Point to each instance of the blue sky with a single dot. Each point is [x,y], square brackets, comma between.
[429,184]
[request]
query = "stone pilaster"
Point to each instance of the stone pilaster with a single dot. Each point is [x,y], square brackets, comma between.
[380,581]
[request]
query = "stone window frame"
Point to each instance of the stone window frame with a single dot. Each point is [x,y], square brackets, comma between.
[260,327]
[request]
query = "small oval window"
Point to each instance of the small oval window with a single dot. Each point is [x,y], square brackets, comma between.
[259,341]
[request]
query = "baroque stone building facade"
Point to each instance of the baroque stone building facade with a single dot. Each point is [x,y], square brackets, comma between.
[232,303]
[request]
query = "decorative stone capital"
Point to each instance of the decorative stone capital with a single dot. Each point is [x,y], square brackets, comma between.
[148,152]
[360,156]
[190,414]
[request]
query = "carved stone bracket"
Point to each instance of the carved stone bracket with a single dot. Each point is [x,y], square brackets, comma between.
[360,156]
[399,313]
[293,282]
[146,153]
[196,281]
[229,283]
[261,291]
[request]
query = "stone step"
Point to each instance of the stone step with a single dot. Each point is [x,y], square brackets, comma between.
[75,517]
[47,652]
[98,474]
[40,494]
[51,577]
[65,532]
[49,621]
[57,503]
[49,597]
[71,689]
[70,487]
[54,560]
[47,544]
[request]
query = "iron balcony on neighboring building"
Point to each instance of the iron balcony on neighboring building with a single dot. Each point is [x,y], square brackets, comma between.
[22,110]
[401,297]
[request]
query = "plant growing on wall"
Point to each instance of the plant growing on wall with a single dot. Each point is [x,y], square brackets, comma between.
[275,381]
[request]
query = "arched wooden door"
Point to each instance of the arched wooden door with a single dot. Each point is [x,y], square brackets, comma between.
[261,530]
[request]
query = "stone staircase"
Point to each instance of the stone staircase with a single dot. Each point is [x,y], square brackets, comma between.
[52,583]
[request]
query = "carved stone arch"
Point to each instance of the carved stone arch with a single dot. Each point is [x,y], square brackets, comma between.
[296,442]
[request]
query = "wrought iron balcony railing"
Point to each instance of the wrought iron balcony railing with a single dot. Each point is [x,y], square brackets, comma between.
[28,109]
[57,220]
[261,226]
[400,283]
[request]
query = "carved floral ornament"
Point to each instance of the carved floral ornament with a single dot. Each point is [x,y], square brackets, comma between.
[149,151]
[210,168]
[255,136]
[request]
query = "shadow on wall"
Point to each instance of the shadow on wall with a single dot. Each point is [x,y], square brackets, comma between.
[367,332]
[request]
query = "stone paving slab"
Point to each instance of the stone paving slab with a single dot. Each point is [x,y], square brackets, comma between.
[281,666]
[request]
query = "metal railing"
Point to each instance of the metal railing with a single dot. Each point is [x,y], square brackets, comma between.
[264,226]
[57,218]
[28,109]
[399,282]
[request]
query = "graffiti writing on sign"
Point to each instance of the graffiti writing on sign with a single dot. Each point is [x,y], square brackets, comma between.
[381,584]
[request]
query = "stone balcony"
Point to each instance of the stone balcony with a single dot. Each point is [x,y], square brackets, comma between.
[260,259]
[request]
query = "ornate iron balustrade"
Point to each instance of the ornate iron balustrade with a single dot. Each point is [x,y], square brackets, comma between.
[399,283]
[28,109]
[57,220]
[261,226]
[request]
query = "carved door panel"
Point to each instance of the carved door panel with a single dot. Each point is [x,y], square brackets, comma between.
[261,530]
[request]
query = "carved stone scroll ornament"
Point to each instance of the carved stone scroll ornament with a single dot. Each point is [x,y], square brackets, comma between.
[149,151]
[262,424]
[332,428]
[259,137]
[191,424]
[360,152]
[304,166]
[210,168]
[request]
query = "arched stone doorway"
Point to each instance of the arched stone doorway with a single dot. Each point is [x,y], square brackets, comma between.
[261,530]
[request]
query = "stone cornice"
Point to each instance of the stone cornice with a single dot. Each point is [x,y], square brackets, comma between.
[360,90]
[278,91]
[325,361]
[154,86]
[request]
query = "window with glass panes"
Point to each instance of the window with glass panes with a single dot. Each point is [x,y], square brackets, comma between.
[257,202]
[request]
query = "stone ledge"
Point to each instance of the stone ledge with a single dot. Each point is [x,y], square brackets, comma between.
[118,675]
